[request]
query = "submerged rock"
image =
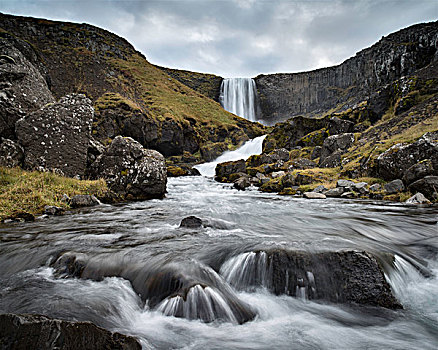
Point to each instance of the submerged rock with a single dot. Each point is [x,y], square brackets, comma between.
[131,170]
[191,222]
[44,333]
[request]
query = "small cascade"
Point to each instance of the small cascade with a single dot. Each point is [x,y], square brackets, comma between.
[239,96]
[201,303]
[248,149]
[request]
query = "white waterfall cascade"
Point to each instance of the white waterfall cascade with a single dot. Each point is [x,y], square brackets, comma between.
[238,96]
[248,149]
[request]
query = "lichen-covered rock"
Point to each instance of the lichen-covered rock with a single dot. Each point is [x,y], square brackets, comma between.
[131,170]
[335,192]
[11,154]
[331,161]
[44,333]
[395,162]
[224,170]
[57,136]
[23,89]
[428,186]
[417,198]
[394,186]
[340,126]
[302,163]
[336,143]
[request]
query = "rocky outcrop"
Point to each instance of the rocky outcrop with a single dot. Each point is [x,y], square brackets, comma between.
[399,54]
[11,154]
[340,277]
[337,143]
[224,170]
[130,170]
[41,332]
[57,136]
[428,185]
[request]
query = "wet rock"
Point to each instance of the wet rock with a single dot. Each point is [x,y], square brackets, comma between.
[395,162]
[53,210]
[335,192]
[44,333]
[83,200]
[314,195]
[418,198]
[242,183]
[428,186]
[57,136]
[375,188]
[394,186]
[191,222]
[224,170]
[130,170]
[11,154]
[337,143]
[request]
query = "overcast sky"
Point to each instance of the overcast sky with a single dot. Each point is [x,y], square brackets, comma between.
[243,38]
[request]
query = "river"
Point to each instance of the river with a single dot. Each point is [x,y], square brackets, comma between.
[140,237]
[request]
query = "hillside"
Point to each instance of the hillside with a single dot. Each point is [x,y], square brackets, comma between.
[131,96]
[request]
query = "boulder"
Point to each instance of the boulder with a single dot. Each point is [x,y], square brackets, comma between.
[395,162]
[331,161]
[336,143]
[345,183]
[418,198]
[335,192]
[83,200]
[316,153]
[314,195]
[349,195]
[428,186]
[57,136]
[340,126]
[302,163]
[191,222]
[394,186]
[320,189]
[242,183]
[276,174]
[11,154]
[131,170]
[44,333]
[375,188]
[53,210]
[361,187]
[223,170]
[418,171]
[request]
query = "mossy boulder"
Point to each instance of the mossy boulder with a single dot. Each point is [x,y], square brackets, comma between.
[224,170]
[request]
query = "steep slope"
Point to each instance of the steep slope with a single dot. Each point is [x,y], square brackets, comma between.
[341,87]
[131,96]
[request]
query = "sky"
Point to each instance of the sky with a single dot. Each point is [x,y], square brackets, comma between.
[239,38]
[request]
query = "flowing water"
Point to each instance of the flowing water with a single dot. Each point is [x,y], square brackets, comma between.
[139,245]
[238,96]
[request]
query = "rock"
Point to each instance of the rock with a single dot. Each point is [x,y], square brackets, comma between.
[44,333]
[58,135]
[223,170]
[418,198]
[278,154]
[131,170]
[302,163]
[345,183]
[276,174]
[191,222]
[418,171]
[95,149]
[428,186]
[316,153]
[394,186]
[340,126]
[241,183]
[361,187]
[11,154]
[375,188]
[23,216]
[395,162]
[336,143]
[335,192]
[331,161]
[314,195]
[349,195]
[339,277]
[83,200]
[53,210]
[210,152]
[320,189]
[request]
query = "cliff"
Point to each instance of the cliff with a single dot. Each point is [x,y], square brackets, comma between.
[341,87]
[130,96]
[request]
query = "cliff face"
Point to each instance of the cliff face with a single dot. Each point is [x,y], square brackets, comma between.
[131,97]
[341,87]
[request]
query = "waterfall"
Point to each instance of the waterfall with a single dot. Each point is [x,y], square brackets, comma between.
[249,148]
[238,96]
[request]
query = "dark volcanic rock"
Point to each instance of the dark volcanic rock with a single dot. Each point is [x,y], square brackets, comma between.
[57,136]
[11,154]
[395,162]
[394,186]
[130,170]
[331,161]
[21,332]
[428,186]
[242,183]
[342,277]
[336,143]
[83,200]
[340,126]
[53,210]
[191,222]
[224,170]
